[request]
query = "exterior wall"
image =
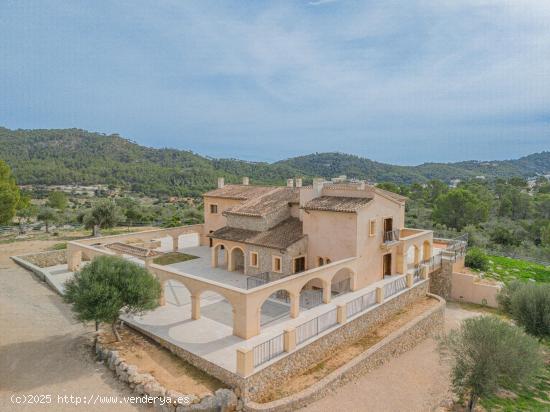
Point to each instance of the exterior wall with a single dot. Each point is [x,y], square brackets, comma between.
[428,324]
[259,224]
[265,258]
[308,355]
[330,235]
[216,221]
[468,288]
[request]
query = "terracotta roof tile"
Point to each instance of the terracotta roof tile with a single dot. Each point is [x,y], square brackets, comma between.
[266,203]
[239,192]
[337,203]
[280,236]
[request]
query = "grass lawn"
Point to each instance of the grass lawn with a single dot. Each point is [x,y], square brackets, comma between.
[534,398]
[506,269]
[173,257]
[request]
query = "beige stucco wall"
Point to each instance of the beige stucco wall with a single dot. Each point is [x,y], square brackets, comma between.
[468,288]
[215,221]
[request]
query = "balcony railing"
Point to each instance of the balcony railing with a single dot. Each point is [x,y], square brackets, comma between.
[391,236]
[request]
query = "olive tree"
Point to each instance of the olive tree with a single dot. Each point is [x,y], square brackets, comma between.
[105,213]
[530,308]
[488,353]
[109,286]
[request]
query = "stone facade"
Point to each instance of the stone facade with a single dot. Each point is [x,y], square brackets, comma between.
[265,258]
[428,324]
[440,281]
[47,259]
[259,224]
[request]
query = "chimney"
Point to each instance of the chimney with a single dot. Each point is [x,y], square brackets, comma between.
[298,182]
[290,182]
[221,182]
[317,186]
[246,181]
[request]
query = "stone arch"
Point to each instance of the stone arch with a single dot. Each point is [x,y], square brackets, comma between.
[219,255]
[278,305]
[343,281]
[313,292]
[214,305]
[174,292]
[426,250]
[413,255]
[236,259]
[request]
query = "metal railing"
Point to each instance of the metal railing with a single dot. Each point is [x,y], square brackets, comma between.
[341,287]
[361,303]
[395,286]
[391,236]
[268,350]
[316,326]
[258,280]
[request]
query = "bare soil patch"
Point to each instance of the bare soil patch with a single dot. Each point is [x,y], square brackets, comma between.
[348,352]
[169,370]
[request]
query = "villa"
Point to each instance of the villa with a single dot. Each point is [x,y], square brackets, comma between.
[276,278]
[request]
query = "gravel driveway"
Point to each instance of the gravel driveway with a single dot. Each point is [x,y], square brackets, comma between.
[416,381]
[43,350]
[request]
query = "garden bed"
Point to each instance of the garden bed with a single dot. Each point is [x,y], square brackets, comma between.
[173,257]
[506,269]
[169,370]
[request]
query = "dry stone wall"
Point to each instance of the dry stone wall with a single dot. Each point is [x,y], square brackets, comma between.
[47,259]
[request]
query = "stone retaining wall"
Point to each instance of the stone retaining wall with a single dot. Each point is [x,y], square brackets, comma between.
[428,324]
[46,259]
[310,354]
[144,384]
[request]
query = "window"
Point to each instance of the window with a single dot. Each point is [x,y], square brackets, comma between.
[277,266]
[320,262]
[299,264]
[372,227]
[328,260]
[254,259]
[213,209]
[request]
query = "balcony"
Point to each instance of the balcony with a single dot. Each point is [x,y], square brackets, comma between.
[391,237]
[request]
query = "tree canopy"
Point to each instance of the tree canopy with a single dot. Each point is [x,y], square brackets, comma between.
[9,194]
[109,286]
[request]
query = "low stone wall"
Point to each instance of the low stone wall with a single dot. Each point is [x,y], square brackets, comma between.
[308,355]
[46,259]
[428,324]
[166,400]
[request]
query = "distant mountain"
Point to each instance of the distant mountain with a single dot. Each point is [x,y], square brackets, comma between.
[74,156]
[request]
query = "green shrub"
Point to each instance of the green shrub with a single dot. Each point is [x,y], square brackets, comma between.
[108,286]
[504,297]
[60,246]
[488,353]
[530,308]
[476,259]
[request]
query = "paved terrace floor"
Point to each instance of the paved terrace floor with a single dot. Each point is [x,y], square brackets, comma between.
[211,336]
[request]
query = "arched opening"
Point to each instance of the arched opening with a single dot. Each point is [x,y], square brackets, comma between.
[236,260]
[327,260]
[413,256]
[320,261]
[275,308]
[426,250]
[219,256]
[311,294]
[216,307]
[342,282]
[176,293]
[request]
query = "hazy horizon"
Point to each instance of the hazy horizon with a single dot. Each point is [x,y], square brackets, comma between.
[401,84]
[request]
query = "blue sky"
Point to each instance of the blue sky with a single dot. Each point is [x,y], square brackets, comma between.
[399,82]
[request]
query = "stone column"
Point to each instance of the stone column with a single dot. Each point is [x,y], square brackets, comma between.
[214,257]
[245,361]
[379,295]
[341,313]
[410,280]
[294,305]
[175,243]
[326,292]
[289,339]
[195,306]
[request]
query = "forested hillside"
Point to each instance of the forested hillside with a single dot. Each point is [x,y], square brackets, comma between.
[74,156]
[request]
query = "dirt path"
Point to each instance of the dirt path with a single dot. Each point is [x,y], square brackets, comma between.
[43,350]
[414,382]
